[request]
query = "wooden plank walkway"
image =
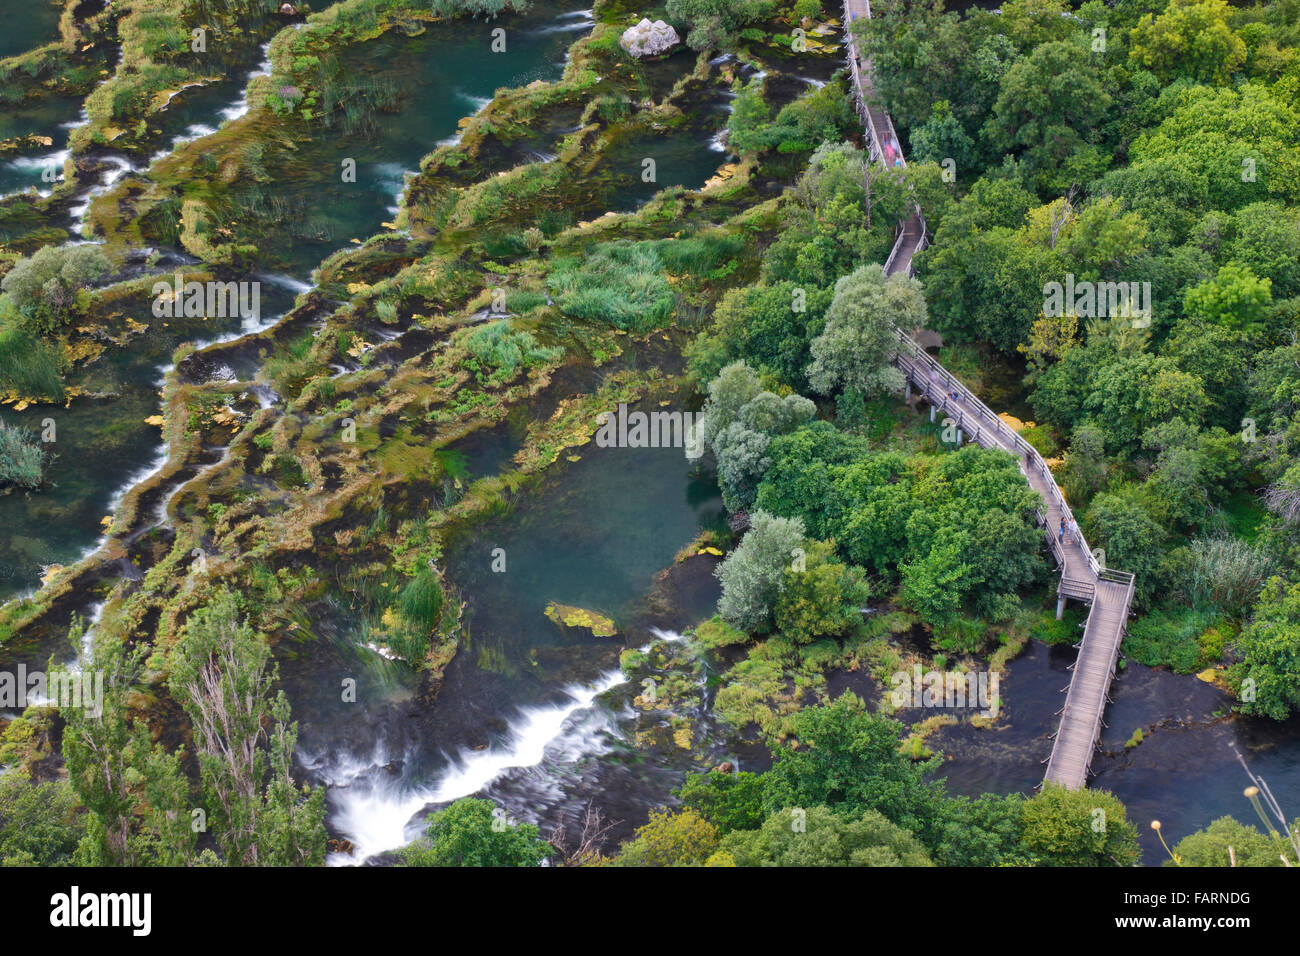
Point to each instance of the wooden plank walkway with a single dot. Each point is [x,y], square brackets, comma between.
[1083,577]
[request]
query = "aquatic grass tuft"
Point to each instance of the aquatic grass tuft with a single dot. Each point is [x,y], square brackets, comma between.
[22,459]
[28,366]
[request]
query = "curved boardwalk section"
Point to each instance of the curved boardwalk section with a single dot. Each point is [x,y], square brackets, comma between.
[1083,577]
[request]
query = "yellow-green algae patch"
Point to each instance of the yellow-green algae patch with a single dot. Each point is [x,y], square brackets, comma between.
[569,616]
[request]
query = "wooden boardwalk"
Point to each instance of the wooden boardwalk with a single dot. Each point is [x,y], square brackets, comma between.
[1083,576]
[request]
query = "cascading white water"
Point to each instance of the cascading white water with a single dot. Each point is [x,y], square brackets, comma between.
[240,107]
[375,810]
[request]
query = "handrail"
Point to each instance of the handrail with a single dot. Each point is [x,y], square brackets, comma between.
[916,360]
[917,355]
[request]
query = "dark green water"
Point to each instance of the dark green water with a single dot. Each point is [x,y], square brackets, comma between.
[519,706]
[103,445]
[1184,773]
[28,25]
[447,73]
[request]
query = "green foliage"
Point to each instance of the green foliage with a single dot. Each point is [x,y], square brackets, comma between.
[856,349]
[740,420]
[1270,649]
[474,832]
[846,758]
[421,601]
[22,458]
[44,288]
[40,823]
[714,23]
[959,530]
[1236,297]
[823,599]
[752,575]
[1079,828]
[1044,101]
[671,839]
[137,798]
[1189,38]
[219,673]
[1249,847]
[730,801]
[1169,638]
[715,633]
[818,837]
[502,351]
[28,366]
[619,284]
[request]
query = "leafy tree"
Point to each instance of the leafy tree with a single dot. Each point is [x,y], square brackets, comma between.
[848,759]
[1047,104]
[1121,523]
[713,22]
[739,422]
[752,575]
[800,482]
[742,459]
[824,599]
[40,823]
[1085,464]
[985,831]
[471,832]
[1267,242]
[730,391]
[749,119]
[1226,842]
[1270,649]
[943,138]
[818,117]
[1236,298]
[219,674]
[816,836]
[761,324]
[1207,144]
[45,286]
[136,794]
[730,801]
[1079,828]
[857,347]
[1189,38]
[683,838]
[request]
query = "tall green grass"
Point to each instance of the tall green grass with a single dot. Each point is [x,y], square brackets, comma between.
[28,366]
[620,284]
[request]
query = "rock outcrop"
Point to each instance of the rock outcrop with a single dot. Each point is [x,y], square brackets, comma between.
[649,39]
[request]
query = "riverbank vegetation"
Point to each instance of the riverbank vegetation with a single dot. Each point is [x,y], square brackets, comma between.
[1135,169]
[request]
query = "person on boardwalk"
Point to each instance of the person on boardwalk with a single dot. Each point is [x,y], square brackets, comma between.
[1060,535]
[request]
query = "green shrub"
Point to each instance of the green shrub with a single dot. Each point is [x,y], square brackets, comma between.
[1170,638]
[22,459]
[619,284]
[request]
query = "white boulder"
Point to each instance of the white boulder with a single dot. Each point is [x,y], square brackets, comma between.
[649,39]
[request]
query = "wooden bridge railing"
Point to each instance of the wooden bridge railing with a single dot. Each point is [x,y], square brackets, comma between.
[1108,615]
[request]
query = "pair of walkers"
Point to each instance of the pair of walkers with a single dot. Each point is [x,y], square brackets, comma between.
[1070,528]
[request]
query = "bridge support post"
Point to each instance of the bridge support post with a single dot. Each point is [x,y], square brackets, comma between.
[960,438]
[907,390]
[931,414]
[1060,604]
